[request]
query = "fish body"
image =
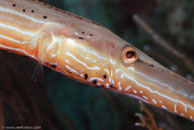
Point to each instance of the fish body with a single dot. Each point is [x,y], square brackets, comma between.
[89,53]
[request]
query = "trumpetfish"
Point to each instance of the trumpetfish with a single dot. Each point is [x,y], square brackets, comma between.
[89,53]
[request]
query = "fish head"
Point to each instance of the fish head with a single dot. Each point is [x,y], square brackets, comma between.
[93,55]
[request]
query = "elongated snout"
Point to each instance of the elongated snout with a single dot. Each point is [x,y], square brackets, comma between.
[161,87]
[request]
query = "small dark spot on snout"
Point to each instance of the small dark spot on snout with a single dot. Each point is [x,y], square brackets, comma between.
[151,65]
[85,76]
[139,60]
[14,5]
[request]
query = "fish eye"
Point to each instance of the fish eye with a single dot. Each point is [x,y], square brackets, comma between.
[129,55]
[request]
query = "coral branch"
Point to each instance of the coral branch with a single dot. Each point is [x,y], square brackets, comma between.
[188,62]
[146,121]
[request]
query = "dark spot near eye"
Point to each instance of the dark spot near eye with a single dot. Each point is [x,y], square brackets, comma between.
[45,17]
[53,66]
[32,11]
[91,35]
[104,76]
[85,76]
[102,86]
[113,46]
[130,54]
[81,38]
[151,65]
[14,5]
[83,32]
[95,81]
[24,10]
[139,60]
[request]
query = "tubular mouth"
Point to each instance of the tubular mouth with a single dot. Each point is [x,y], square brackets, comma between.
[160,78]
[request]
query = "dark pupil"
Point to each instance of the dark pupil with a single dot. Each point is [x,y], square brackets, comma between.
[130,54]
